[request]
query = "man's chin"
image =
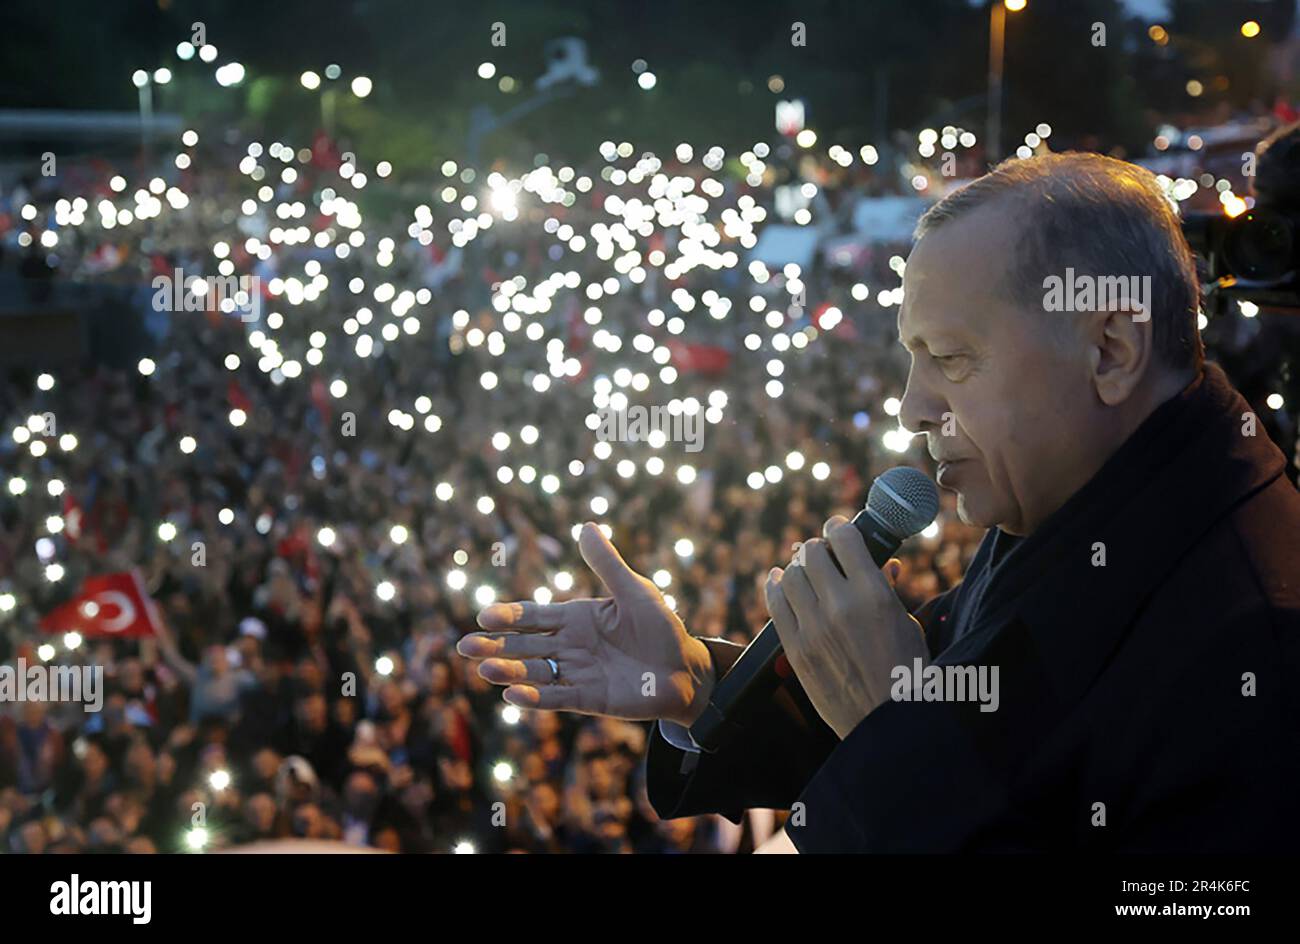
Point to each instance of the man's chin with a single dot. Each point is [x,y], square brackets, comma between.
[971,513]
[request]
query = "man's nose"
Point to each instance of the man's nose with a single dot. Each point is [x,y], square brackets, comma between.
[922,409]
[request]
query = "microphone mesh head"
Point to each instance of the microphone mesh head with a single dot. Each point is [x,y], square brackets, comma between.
[904,499]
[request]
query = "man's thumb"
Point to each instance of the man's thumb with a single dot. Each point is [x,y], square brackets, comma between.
[606,562]
[893,567]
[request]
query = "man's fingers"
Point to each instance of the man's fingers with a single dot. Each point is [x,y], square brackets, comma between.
[798,591]
[778,607]
[522,617]
[546,697]
[783,618]
[606,562]
[508,646]
[849,546]
[513,671]
[822,573]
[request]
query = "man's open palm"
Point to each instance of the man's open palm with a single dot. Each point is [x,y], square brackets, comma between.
[626,655]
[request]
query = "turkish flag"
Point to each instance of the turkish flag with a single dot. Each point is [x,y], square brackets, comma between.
[110,605]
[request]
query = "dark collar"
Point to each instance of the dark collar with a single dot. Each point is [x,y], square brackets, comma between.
[1181,471]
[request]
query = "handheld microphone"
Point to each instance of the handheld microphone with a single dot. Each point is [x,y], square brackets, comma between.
[902,501]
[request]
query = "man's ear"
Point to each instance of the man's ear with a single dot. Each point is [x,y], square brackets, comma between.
[1121,352]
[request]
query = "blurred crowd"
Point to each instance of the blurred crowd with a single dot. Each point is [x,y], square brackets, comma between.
[309,687]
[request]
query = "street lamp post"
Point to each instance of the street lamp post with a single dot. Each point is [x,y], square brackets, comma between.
[144,84]
[997,40]
[145,88]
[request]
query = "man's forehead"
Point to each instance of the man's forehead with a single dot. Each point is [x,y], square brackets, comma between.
[956,272]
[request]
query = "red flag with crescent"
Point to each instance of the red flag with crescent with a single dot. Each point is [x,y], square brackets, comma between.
[108,606]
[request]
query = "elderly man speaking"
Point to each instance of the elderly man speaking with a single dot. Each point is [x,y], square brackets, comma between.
[1135,603]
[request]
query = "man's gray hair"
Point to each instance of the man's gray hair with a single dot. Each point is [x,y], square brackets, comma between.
[1102,217]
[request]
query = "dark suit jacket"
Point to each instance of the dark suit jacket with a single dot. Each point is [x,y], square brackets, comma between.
[1150,704]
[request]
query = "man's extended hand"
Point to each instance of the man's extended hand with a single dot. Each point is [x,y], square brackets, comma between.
[627,656]
[843,633]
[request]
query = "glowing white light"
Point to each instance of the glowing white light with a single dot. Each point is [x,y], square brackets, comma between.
[232,73]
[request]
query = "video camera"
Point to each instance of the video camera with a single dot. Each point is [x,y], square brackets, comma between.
[1255,255]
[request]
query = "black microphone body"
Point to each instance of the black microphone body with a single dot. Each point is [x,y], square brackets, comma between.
[761,668]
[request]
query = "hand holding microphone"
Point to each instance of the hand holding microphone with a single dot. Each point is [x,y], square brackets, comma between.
[836,621]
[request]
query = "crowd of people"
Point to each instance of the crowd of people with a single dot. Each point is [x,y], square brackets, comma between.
[307,686]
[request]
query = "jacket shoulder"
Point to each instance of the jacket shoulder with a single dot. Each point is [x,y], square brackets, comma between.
[1266,532]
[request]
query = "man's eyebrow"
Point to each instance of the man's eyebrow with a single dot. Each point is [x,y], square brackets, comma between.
[941,338]
[913,341]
